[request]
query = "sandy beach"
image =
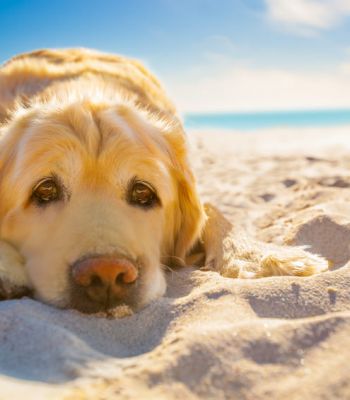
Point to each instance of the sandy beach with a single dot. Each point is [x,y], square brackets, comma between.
[212,337]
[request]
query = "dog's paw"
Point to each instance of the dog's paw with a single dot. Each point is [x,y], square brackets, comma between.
[10,291]
[14,282]
[294,261]
[284,261]
[235,255]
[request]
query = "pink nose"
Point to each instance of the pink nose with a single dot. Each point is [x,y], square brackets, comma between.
[102,271]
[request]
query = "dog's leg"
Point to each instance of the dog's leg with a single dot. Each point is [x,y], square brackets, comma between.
[14,282]
[290,261]
[235,255]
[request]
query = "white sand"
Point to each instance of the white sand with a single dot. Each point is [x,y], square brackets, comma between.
[214,337]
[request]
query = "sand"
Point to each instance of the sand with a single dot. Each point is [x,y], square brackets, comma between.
[212,337]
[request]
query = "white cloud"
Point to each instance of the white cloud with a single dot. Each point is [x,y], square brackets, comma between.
[307,17]
[245,88]
[345,68]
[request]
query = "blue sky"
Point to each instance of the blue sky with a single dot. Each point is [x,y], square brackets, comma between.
[211,55]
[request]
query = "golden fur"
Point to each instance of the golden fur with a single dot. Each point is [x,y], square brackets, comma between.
[96,121]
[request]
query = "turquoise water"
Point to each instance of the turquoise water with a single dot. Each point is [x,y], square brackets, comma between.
[253,121]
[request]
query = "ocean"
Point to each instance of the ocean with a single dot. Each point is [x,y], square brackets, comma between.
[262,120]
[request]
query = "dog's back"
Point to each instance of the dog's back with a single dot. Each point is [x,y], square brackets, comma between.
[42,73]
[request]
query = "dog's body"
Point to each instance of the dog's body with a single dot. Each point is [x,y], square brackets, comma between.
[96,189]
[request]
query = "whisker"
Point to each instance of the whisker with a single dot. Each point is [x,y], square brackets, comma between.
[168,269]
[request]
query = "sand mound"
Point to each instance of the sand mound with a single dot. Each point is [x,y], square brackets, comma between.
[210,336]
[328,235]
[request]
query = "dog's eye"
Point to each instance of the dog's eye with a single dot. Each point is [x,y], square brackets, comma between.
[142,194]
[46,191]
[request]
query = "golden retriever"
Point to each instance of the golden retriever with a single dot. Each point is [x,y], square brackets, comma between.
[97,195]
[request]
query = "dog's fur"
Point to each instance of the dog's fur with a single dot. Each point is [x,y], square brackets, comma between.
[97,121]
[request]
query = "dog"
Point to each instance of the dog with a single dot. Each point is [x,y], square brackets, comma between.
[97,194]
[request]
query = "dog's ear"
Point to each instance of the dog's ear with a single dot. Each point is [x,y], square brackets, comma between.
[189,215]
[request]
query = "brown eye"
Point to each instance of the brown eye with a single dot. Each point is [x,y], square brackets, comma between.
[142,194]
[46,191]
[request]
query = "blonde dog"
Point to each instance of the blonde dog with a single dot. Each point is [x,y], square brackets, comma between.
[97,195]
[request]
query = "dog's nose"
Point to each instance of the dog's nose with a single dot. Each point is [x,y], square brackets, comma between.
[104,278]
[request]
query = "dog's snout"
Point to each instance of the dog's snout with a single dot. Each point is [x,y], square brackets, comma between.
[104,271]
[104,279]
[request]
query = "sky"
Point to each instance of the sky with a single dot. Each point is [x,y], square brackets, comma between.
[211,55]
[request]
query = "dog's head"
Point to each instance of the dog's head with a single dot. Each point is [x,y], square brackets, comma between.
[96,198]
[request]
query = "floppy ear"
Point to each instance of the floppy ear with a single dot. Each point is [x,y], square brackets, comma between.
[191,215]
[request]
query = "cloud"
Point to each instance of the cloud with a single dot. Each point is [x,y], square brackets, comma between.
[345,68]
[217,49]
[307,17]
[235,87]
